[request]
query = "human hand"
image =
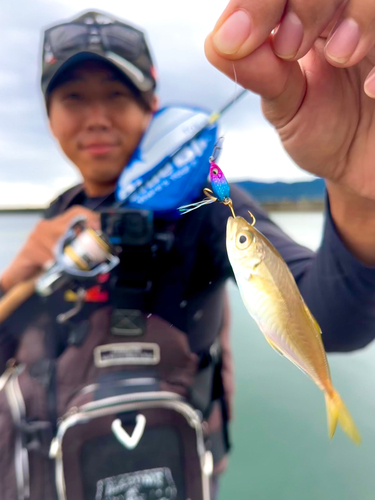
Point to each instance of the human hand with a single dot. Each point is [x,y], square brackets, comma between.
[38,249]
[313,89]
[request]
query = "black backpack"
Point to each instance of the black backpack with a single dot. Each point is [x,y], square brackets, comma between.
[131,418]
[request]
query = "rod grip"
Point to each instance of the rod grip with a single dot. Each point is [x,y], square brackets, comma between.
[15,297]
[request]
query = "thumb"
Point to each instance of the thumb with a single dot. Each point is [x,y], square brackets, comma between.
[280,83]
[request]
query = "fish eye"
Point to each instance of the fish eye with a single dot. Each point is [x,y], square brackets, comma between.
[243,241]
[215,171]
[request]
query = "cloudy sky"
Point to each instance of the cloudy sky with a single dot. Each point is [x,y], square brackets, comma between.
[32,169]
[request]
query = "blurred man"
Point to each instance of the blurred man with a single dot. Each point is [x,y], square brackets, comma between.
[99,88]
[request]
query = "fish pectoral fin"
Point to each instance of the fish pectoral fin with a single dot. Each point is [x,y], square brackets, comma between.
[309,314]
[274,346]
[249,273]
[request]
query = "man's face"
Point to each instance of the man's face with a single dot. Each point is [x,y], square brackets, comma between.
[97,122]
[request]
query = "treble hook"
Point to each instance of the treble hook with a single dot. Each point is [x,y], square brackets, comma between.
[228,202]
[254,219]
[209,194]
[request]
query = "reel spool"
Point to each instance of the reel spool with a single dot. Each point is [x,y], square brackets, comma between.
[81,254]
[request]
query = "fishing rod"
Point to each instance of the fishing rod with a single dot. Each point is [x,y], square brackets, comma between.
[68,258]
[211,119]
[217,114]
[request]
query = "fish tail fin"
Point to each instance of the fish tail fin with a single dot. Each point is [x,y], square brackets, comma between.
[332,415]
[337,412]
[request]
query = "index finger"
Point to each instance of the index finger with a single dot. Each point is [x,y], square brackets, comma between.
[245,25]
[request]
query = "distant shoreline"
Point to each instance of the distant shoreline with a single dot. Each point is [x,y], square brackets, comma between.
[279,206]
[21,210]
[303,196]
[291,206]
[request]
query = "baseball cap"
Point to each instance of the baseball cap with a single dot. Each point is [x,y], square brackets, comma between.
[99,36]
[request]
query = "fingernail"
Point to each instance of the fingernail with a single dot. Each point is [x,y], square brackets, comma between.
[344,41]
[370,85]
[288,37]
[233,33]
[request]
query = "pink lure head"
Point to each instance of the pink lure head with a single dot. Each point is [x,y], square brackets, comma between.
[219,184]
[216,174]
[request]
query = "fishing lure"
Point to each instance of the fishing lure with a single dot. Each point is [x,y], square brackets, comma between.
[220,186]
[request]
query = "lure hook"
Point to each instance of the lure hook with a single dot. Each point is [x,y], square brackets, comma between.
[228,202]
[209,194]
[254,219]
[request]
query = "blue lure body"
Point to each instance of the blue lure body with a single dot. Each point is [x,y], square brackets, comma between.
[219,184]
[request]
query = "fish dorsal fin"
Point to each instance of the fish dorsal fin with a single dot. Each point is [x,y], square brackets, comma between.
[316,324]
[274,346]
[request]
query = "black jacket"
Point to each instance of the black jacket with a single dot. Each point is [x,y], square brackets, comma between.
[188,283]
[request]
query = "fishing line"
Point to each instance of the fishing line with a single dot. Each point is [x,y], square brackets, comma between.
[235,77]
[219,178]
[235,95]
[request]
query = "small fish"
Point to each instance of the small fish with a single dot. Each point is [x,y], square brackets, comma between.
[272,298]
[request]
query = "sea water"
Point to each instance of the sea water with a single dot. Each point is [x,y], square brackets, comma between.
[281,449]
